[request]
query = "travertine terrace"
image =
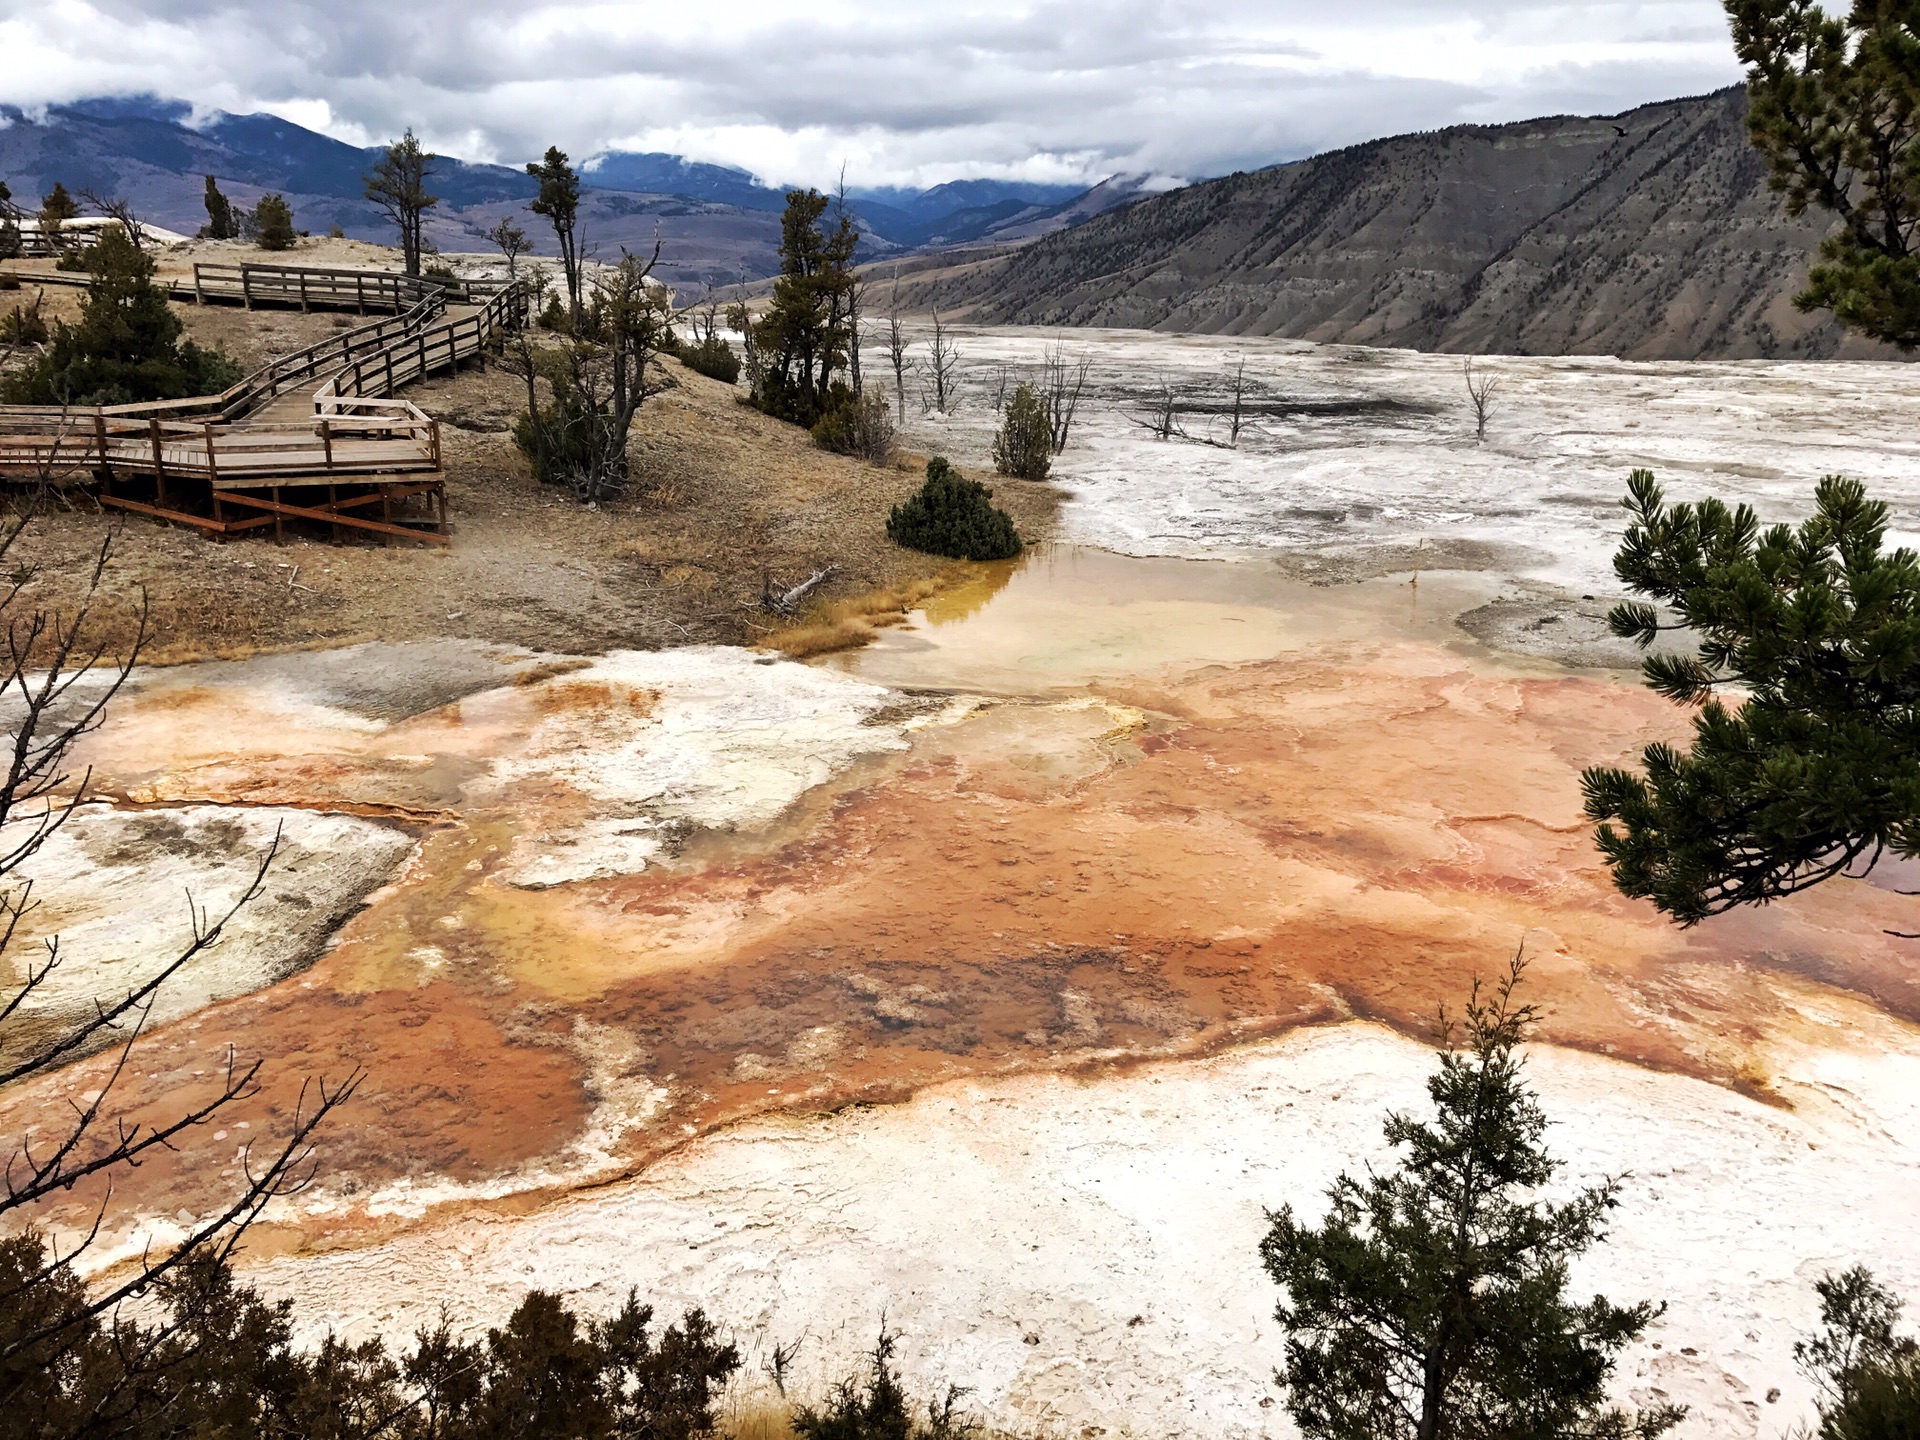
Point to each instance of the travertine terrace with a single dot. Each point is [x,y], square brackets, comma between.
[1128,877]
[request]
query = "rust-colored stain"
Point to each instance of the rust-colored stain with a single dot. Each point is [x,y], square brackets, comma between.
[1355,830]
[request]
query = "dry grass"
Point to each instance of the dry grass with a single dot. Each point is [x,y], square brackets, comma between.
[726,501]
[194,653]
[848,624]
[760,1416]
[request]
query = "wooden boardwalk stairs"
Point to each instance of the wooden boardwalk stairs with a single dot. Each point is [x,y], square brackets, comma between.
[318,435]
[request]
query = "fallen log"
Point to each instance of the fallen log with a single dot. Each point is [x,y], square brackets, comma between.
[788,602]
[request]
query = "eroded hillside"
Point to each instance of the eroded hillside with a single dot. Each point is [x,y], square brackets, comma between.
[1650,235]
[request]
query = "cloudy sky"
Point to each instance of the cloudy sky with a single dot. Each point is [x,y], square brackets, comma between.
[903,91]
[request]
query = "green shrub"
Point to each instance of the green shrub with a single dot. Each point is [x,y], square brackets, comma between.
[784,399]
[857,425]
[1024,446]
[11,246]
[71,260]
[555,316]
[953,516]
[559,447]
[714,358]
[872,1404]
[24,324]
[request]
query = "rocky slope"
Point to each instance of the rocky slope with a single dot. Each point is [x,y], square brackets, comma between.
[1650,235]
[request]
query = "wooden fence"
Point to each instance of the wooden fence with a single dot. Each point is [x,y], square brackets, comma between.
[318,287]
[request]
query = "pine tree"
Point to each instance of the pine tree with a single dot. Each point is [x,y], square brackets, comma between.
[1431,1304]
[1869,1375]
[559,201]
[806,332]
[1023,448]
[1817,771]
[11,246]
[398,185]
[56,208]
[273,223]
[512,243]
[1834,106]
[219,213]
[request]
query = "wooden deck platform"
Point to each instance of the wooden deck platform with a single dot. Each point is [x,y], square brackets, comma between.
[325,416]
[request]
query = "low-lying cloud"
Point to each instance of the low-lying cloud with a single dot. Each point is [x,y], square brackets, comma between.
[903,93]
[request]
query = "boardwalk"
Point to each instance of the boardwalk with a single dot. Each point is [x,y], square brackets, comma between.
[326,416]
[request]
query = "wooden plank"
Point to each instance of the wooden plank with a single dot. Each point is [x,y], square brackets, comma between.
[224,527]
[159,466]
[328,517]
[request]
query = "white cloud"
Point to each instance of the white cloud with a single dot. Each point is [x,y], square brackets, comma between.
[903,91]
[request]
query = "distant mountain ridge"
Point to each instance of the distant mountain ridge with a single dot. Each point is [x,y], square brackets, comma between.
[1650,235]
[720,222]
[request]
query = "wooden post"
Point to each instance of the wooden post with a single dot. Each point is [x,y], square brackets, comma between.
[279,535]
[213,464]
[433,437]
[218,514]
[333,500]
[159,462]
[303,292]
[326,440]
[360,294]
[100,436]
[246,287]
[198,297]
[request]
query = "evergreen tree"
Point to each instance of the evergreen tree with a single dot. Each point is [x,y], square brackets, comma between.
[126,345]
[56,208]
[953,516]
[210,1359]
[1817,772]
[806,332]
[1431,1304]
[559,201]
[1869,1376]
[398,185]
[219,213]
[273,223]
[512,242]
[1023,448]
[1834,106]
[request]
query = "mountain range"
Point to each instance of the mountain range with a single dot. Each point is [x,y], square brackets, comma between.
[718,222]
[1649,235]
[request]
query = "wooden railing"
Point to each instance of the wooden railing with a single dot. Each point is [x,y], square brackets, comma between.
[371,437]
[428,349]
[311,286]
